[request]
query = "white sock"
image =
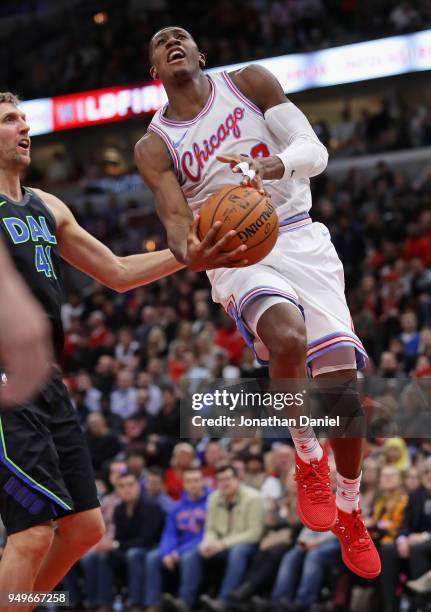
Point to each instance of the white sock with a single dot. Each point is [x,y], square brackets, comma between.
[347,496]
[306,444]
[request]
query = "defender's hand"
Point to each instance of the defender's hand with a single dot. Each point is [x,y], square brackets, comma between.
[251,168]
[208,254]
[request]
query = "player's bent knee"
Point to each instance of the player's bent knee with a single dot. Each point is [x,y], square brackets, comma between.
[34,542]
[84,529]
[290,347]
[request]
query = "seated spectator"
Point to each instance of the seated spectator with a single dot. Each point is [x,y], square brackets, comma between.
[229,338]
[214,454]
[104,376]
[92,564]
[103,444]
[167,421]
[154,400]
[155,489]
[91,395]
[136,465]
[126,348]
[396,454]
[183,457]
[412,547]
[388,508]
[124,401]
[271,487]
[302,570]
[135,535]
[283,527]
[409,336]
[183,532]
[233,528]
[254,471]
[411,480]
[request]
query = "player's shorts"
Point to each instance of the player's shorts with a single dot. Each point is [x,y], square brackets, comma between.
[302,269]
[45,466]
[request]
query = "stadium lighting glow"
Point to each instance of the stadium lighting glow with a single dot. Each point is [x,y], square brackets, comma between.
[100,18]
[297,72]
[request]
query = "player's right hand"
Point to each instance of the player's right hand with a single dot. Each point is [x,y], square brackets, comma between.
[209,254]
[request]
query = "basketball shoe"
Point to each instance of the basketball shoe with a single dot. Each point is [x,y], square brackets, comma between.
[358,551]
[315,502]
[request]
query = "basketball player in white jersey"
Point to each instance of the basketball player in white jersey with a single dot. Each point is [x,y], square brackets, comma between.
[290,306]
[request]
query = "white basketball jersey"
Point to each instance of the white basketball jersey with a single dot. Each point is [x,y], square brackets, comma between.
[228,124]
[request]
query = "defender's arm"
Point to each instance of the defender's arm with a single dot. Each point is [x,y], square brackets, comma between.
[91,256]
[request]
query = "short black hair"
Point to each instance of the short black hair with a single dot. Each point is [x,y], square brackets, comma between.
[155,470]
[127,474]
[225,467]
[173,27]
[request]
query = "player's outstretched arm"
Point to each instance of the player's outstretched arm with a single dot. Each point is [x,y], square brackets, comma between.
[25,345]
[85,252]
[155,166]
[304,156]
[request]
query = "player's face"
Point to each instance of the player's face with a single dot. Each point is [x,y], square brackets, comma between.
[174,54]
[14,140]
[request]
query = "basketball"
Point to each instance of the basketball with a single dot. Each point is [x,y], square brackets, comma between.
[248,212]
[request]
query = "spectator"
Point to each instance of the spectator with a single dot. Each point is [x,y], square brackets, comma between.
[166,423]
[96,580]
[136,466]
[214,455]
[411,479]
[254,471]
[233,528]
[126,348]
[388,508]
[409,336]
[124,400]
[104,378]
[103,444]
[182,534]
[154,400]
[90,395]
[369,485]
[183,457]
[396,453]
[155,490]
[283,528]
[312,556]
[135,536]
[413,543]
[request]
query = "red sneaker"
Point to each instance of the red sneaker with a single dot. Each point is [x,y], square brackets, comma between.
[357,548]
[315,502]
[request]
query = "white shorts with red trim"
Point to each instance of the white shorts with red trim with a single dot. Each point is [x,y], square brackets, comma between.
[303,269]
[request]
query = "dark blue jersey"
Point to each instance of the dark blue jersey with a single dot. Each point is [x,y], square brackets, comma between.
[28,229]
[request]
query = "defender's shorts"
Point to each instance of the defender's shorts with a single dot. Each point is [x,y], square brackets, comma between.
[303,269]
[45,465]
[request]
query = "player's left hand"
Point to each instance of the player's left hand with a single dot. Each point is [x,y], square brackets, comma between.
[252,170]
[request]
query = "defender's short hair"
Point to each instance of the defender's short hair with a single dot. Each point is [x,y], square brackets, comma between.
[7,97]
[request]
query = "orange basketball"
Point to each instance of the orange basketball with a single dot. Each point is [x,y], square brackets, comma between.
[248,212]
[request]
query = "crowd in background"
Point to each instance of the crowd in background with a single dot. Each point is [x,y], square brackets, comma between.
[397,125]
[62,47]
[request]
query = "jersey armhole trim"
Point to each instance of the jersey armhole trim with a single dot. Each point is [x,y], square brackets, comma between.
[238,93]
[44,204]
[173,153]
